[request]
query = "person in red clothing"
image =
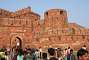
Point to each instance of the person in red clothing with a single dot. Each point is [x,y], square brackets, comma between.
[15,54]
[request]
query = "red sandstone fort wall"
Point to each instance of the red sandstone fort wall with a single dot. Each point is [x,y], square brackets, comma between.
[55,31]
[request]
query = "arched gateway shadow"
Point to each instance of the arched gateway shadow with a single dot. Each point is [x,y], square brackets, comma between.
[20,42]
[16,41]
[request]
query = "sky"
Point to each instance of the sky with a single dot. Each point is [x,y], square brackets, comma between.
[77,10]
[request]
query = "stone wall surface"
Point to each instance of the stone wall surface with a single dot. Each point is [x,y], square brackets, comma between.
[54,31]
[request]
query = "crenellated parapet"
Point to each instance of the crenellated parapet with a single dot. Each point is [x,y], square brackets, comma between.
[4,13]
[21,18]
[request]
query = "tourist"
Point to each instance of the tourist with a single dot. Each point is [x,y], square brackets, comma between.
[40,50]
[14,54]
[65,54]
[34,55]
[20,54]
[37,53]
[84,47]
[44,56]
[28,56]
[51,52]
[71,56]
[59,53]
[82,54]
[68,51]
[6,56]
[2,56]
[24,54]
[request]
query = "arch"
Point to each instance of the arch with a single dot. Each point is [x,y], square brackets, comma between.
[20,42]
[16,39]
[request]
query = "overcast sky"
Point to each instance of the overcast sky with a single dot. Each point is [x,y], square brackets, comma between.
[78,10]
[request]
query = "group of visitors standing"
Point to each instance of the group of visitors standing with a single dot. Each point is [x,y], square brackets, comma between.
[68,54]
[50,54]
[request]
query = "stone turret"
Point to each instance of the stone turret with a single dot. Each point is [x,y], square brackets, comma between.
[55,18]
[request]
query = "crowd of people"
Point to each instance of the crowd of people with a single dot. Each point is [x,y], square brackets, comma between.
[38,54]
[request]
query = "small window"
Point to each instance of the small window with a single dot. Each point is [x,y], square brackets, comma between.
[83,36]
[61,12]
[0,13]
[35,19]
[37,40]
[11,23]
[46,13]
[59,37]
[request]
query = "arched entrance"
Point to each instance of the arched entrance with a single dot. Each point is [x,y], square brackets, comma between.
[16,41]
